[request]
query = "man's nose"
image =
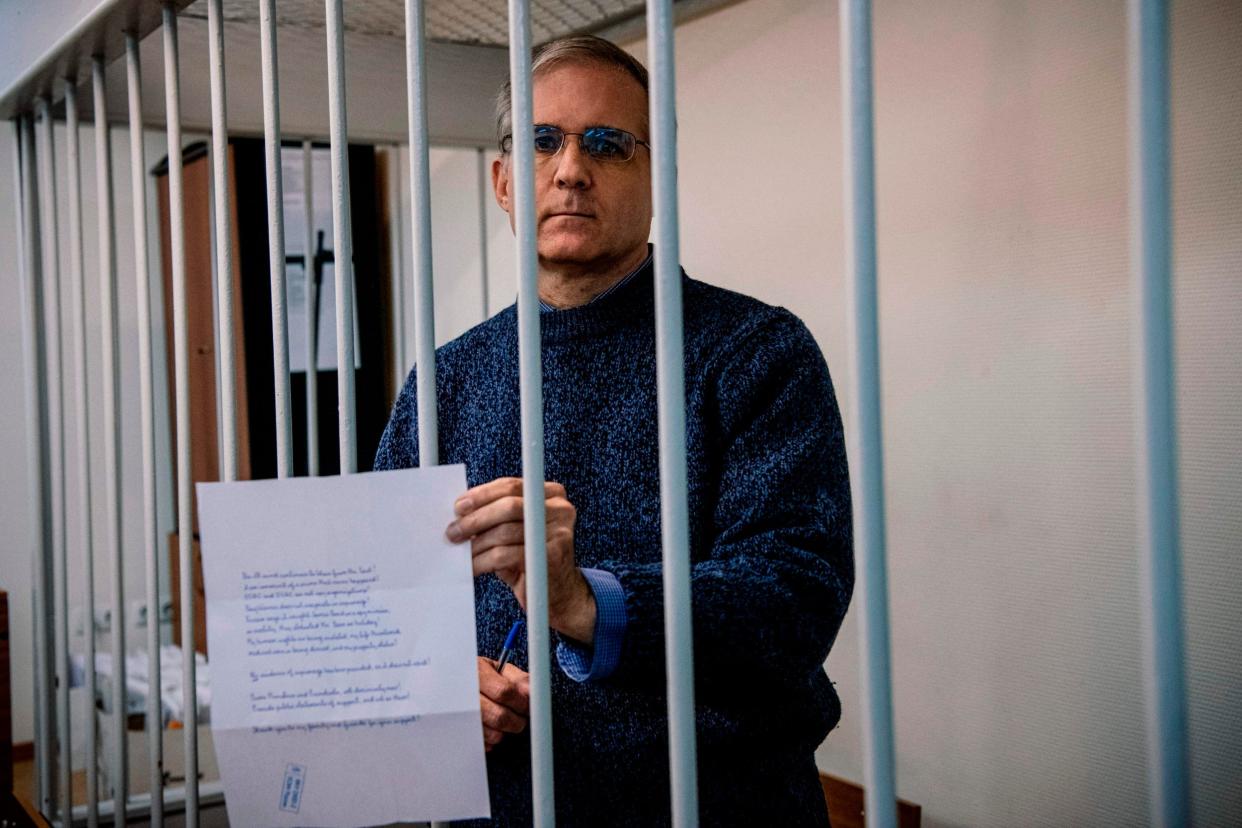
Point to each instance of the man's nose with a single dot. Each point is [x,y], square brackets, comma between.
[573,166]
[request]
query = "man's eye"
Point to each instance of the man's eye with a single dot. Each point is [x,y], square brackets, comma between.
[547,142]
[606,149]
[606,144]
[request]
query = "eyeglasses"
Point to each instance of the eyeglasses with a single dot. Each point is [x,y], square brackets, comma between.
[602,143]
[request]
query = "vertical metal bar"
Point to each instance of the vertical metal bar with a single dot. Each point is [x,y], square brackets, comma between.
[484,195]
[56,421]
[146,395]
[311,270]
[531,373]
[225,346]
[1156,436]
[670,370]
[181,385]
[342,235]
[869,520]
[77,292]
[276,236]
[38,465]
[112,433]
[420,233]
[420,237]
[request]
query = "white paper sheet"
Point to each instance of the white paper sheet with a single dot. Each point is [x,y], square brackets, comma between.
[340,626]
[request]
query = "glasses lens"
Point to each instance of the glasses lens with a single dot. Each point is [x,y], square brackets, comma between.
[548,139]
[608,144]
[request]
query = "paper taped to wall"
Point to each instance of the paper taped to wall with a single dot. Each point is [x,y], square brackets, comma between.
[340,625]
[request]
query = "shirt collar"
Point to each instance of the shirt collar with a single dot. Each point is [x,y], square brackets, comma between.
[544,307]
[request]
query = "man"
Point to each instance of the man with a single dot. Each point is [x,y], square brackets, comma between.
[770,530]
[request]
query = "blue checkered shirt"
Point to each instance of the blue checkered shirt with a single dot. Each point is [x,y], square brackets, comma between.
[597,662]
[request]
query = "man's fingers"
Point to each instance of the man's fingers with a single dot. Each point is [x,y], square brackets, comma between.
[499,717]
[521,680]
[487,492]
[506,534]
[492,490]
[505,561]
[511,690]
[501,521]
[558,509]
[501,510]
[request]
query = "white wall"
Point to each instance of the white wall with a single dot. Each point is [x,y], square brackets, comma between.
[456,246]
[1006,324]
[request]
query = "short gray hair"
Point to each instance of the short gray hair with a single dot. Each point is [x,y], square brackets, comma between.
[577,49]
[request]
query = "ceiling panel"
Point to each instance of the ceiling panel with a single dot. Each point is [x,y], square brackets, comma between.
[476,22]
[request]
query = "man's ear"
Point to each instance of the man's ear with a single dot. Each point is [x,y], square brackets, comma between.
[500,181]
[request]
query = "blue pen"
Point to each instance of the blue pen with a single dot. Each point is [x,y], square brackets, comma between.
[507,650]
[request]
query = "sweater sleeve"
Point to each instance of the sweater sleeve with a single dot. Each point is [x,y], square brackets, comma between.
[773,564]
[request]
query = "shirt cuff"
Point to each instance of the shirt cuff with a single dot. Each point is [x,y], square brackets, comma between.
[600,660]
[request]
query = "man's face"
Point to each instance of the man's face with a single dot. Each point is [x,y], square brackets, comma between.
[589,214]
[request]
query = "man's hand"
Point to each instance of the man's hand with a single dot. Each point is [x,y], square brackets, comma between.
[490,517]
[504,701]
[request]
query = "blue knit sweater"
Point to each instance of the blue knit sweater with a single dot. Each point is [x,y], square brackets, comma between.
[770,538]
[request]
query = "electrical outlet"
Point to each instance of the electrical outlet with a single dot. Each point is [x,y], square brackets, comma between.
[138,612]
[103,619]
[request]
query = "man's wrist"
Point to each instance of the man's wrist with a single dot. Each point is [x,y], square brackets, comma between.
[576,618]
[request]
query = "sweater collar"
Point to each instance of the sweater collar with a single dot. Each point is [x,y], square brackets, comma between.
[629,303]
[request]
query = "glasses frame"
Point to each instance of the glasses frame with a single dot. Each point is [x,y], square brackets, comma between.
[506,143]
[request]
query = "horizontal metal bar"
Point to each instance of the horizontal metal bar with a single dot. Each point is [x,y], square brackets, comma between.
[100,32]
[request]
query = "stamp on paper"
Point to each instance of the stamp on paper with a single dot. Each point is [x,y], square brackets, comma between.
[291,790]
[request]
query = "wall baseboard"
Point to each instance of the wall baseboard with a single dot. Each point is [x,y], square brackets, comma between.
[845,804]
